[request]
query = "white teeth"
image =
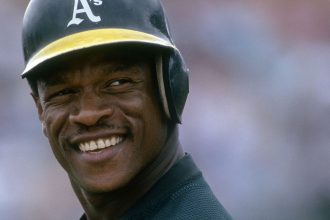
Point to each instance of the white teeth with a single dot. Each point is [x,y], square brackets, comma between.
[93,145]
[88,147]
[107,143]
[100,144]
[113,141]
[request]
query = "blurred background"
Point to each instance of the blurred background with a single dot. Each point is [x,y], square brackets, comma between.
[256,121]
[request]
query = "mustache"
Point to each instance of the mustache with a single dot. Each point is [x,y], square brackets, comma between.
[82,129]
[104,128]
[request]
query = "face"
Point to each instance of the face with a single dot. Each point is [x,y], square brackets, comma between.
[102,118]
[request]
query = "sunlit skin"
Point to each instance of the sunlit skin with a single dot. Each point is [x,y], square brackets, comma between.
[88,97]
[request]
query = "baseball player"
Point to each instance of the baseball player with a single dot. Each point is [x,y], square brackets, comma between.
[110,86]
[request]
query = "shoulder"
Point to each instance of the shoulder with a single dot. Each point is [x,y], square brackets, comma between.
[181,194]
[193,200]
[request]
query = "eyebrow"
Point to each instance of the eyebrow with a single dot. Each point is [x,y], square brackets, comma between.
[59,72]
[110,69]
[53,79]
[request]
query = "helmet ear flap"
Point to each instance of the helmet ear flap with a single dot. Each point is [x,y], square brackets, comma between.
[176,84]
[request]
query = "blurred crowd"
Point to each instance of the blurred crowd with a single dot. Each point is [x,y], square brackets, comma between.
[256,120]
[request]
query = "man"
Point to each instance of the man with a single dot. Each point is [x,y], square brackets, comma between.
[110,86]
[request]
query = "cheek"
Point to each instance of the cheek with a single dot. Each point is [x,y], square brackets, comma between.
[132,110]
[155,128]
[55,122]
[149,125]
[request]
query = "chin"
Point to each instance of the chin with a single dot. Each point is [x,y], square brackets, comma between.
[102,183]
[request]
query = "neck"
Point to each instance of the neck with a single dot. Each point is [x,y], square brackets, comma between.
[112,205]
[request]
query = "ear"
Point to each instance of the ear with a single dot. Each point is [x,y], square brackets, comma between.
[40,110]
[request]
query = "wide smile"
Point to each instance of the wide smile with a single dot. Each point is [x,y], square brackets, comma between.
[100,144]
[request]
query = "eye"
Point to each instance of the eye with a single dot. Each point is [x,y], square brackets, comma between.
[118,82]
[121,85]
[62,93]
[65,92]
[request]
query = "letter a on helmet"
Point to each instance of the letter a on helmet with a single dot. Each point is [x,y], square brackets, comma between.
[84,10]
[56,28]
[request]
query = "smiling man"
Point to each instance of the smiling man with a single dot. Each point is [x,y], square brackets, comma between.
[110,86]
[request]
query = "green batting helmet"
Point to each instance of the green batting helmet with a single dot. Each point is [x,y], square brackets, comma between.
[54,28]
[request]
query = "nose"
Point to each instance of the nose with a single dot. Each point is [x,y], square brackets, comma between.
[91,111]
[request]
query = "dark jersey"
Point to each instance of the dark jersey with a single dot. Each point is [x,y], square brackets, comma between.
[182,193]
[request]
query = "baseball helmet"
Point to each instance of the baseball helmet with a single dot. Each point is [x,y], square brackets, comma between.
[52,29]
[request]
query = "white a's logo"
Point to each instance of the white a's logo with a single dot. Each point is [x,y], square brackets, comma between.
[84,10]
